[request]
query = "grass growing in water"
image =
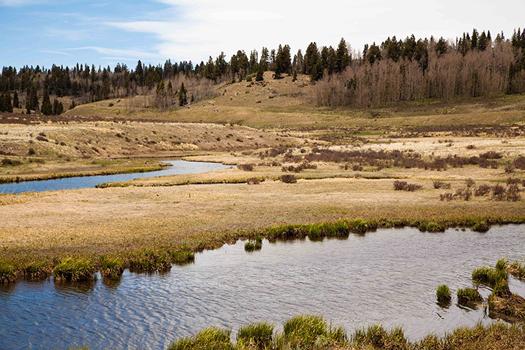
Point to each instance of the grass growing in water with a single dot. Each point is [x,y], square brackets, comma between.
[443,295]
[111,268]
[7,273]
[258,336]
[37,271]
[517,270]
[74,270]
[253,245]
[182,257]
[209,338]
[469,297]
[303,332]
[149,260]
[376,337]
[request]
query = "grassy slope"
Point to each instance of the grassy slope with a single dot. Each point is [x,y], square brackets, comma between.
[287,104]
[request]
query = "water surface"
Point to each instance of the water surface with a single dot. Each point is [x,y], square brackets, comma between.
[175,167]
[388,277]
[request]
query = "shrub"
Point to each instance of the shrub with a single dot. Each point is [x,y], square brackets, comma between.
[210,338]
[253,181]
[11,162]
[469,297]
[111,268]
[519,163]
[150,261]
[74,270]
[441,185]
[405,186]
[443,295]
[7,273]
[482,190]
[289,179]
[257,335]
[245,167]
[31,152]
[513,193]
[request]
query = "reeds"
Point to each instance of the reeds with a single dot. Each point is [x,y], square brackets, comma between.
[75,270]
[443,295]
[469,297]
[255,336]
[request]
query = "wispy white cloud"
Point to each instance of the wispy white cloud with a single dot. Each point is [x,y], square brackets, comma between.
[123,54]
[200,28]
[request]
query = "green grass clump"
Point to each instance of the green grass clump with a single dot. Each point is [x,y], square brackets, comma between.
[480,226]
[431,226]
[253,245]
[488,276]
[376,337]
[149,260]
[74,270]
[37,271]
[182,257]
[257,336]
[469,297]
[111,267]
[303,332]
[209,338]
[7,273]
[361,226]
[443,294]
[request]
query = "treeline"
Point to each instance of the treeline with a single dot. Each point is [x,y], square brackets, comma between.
[396,70]
[405,70]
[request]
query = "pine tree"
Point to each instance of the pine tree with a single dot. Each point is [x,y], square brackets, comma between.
[16,102]
[47,108]
[183,98]
[343,56]
[58,107]
[312,62]
[260,74]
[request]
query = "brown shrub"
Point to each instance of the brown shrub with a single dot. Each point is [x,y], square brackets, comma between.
[245,167]
[289,179]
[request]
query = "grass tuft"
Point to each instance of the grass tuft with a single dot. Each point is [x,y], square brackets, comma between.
[443,295]
[253,245]
[469,297]
[37,271]
[7,273]
[148,260]
[182,257]
[74,270]
[376,337]
[111,268]
[256,336]
[210,338]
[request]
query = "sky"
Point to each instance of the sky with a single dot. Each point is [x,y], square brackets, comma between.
[102,32]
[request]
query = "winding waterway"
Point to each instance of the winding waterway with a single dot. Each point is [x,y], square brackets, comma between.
[175,167]
[386,277]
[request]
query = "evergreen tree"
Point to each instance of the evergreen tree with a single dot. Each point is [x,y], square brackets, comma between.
[298,63]
[183,98]
[47,108]
[72,105]
[343,56]
[16,102]
[441,47]
[265,57]
[260,74]
[312,62]
[58,107]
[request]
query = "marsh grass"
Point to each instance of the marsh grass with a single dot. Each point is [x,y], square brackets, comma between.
[443,295]
[7,273]
[257,336]
[313,333]
[37,271]
[74,270]
[111,268]
[469,297]
[182,256]
[149,260]
[210,338]
[489,276]
[517,270]
[253,245]
[376,337]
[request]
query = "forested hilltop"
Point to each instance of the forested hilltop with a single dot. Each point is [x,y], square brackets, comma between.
[474,65]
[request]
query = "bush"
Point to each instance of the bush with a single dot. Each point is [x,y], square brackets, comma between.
[469,297]
[10,162]
[443,295]
[441,185]
[253,181]
[289,179]
[74,270]
[209,338]
[245,167]
[257,335]
[405,186]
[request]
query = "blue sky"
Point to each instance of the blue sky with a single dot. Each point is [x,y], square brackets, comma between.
[107,32]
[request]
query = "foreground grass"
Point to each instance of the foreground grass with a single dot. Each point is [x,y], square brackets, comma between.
[313,332]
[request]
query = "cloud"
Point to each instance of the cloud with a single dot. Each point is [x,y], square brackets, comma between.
[110,53]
